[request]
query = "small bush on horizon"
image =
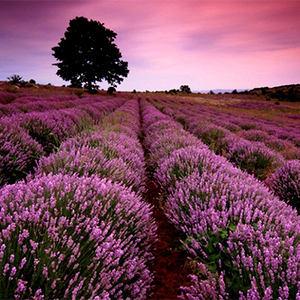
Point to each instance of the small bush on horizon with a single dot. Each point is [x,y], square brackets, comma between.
[15,79]
[111,90]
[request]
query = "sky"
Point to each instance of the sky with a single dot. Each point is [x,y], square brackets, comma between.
[207,45]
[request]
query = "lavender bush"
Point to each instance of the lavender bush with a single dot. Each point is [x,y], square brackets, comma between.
[48,128]
[255,135]
[92,111]
[285,182]
[80,118]
[183,162]
[84,160]
[6,111]
[285,147]
[18,152]
[74,237]
[214,209]
[253,157]
[212,135]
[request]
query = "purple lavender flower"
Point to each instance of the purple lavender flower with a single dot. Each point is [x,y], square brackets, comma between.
[246,238]
[253,157]
[285,182]
[100,229]
[18,152]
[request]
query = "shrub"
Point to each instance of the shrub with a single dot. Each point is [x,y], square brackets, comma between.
[111,90]
[15,79]
[79,93]
[86,161]
[238,232]
[285,182]
[212,136]
[253,157]
[255,135]
[69,237]
[183,162]
[48,128]
[18,152]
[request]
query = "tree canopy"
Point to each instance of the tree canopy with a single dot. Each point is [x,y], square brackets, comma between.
[87,54]
[185,89]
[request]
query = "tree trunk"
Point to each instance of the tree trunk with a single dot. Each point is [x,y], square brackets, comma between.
[90,90]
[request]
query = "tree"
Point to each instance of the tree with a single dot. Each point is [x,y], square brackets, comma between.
[87,54]
[185,89]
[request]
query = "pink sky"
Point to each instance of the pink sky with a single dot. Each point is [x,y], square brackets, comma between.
[205,44]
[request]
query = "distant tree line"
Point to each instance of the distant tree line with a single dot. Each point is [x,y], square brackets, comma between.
[183,89]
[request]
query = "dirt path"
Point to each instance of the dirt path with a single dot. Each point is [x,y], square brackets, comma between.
[169,263]
[168,266]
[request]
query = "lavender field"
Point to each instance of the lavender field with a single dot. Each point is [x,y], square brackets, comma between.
[75,220]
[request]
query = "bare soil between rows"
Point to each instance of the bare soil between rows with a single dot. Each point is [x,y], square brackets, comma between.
[169,264]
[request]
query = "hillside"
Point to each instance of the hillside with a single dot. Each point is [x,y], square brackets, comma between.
[281,93]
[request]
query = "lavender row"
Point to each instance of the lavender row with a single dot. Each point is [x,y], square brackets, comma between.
[70,237]
[81,234]
[110,150]
[50,128]
[262,155]
[244,241]
[28,103]
[284,131]
[24,138]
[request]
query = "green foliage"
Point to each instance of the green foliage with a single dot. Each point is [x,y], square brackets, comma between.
[218,259]
[213,137]
[256,162]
